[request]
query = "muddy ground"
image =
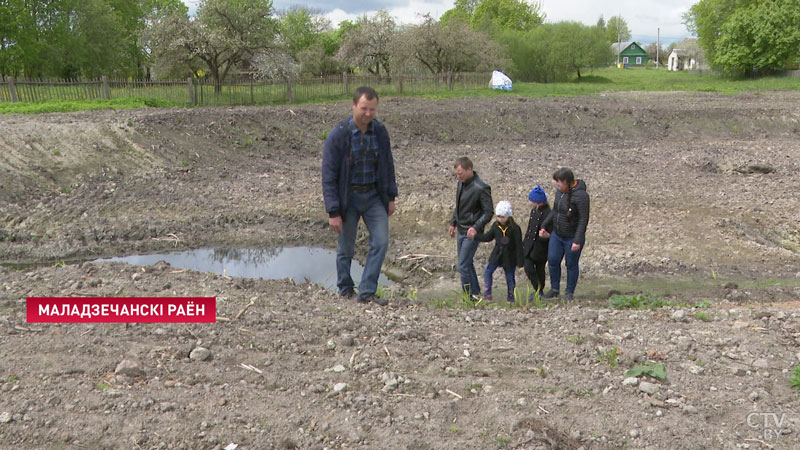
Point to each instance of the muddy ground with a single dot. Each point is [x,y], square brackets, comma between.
[693,200]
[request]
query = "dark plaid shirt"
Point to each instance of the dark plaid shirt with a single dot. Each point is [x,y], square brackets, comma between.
[365,155]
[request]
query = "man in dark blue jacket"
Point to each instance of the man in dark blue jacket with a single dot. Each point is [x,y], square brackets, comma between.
[358,181]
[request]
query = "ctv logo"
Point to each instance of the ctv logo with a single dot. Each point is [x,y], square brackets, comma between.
[770,425]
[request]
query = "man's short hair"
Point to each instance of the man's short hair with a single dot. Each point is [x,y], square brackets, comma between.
[464,162]
[364,91]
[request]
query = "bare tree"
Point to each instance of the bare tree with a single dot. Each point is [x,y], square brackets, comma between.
[454,47]
[367,47]
[277,65]
[222,35]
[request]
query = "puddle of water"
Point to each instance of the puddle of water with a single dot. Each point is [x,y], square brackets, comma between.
[316,265]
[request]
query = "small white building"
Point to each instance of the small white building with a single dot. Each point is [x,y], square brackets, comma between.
[679,59]
[686,56]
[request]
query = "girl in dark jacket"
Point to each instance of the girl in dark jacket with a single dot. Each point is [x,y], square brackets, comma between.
[534,247]
[569,219]
[507,249]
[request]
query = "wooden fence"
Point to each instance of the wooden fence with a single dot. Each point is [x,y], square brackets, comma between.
[205,92]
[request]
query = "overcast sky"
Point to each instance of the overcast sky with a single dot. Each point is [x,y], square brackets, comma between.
[644,17]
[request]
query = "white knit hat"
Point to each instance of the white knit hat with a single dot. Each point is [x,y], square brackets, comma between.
[503,208]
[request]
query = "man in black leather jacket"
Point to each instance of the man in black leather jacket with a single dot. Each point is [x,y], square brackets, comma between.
[474,209]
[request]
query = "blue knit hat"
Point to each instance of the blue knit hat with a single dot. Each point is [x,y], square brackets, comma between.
[537,195]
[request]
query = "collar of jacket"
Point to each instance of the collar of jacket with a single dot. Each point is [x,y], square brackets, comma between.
[354,129]
[469,180]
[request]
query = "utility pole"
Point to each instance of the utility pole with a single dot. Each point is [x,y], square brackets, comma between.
[619,41]
[658,48]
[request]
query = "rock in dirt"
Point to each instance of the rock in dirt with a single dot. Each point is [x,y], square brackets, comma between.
[336,369]
[5,417]
[200,354]
[696,370]
[761,363]
[630,381]
[738,371]
[339,387]
[649,388]
[390,385]
[128,367]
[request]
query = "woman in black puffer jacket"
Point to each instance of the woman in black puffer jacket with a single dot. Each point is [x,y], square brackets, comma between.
[569,219]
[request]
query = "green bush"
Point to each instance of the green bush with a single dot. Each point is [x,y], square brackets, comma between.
[795,380]
[657,371]
[638,301]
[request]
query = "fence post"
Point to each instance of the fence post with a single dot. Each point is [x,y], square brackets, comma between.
[12,88]
[399,84]
[289,91]
[106,90]
[344,81]
[450,80]
[192,95]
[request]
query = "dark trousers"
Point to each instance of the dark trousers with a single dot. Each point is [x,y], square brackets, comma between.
[535,270]
[561,248]
[511,281]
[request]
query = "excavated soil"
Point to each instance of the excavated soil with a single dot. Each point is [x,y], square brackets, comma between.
[693,200]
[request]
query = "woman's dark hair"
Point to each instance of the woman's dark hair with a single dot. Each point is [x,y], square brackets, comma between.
[565,174]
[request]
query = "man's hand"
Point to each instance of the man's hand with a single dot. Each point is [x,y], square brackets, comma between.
[472,232]
[576,247]
[335,223]
[391,207]
[543,233]
[452,231]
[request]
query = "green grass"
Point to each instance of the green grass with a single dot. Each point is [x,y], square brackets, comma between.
[652,301]
[795,380]
[527,298]
[612,79]
[575,339]
[593,83]
[637,301]
[49,106]
[459,300]
[608,357]
[474,386]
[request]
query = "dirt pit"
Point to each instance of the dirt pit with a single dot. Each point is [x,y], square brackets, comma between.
[693,200]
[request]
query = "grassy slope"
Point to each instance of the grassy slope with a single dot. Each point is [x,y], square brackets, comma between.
[610,79]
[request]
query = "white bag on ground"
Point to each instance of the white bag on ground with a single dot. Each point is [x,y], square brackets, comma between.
[500,81]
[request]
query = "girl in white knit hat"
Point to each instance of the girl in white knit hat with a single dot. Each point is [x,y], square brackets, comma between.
[507,251]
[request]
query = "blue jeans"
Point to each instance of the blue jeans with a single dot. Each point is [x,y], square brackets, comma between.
[511,281]
[366,205]
[466,268]
[561,248]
